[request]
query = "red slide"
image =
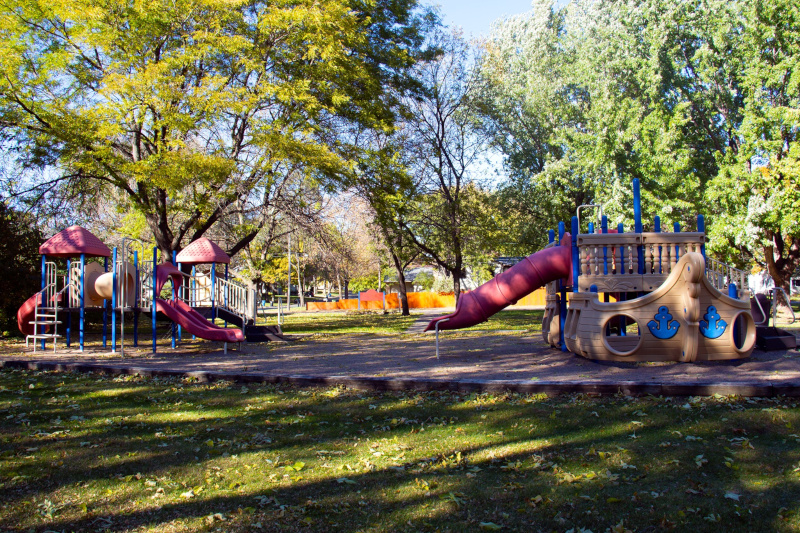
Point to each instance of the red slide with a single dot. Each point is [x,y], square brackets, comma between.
[27,313]
[533,272]
[195,323]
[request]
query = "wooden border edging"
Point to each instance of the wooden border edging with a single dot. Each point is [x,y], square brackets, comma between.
[624,387]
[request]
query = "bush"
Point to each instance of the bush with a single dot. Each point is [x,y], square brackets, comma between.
[20,267]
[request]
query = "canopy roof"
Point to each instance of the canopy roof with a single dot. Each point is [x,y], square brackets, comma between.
[72,242]
[202,251]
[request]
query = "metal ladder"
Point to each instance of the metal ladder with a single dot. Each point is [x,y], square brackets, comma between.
[44,317]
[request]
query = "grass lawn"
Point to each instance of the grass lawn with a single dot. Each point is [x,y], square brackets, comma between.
[90,453]
[354,322]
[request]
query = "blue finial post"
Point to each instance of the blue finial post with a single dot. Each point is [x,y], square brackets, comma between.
[114,302]
[106,303]
[676,227]
[701,227]
[155,296]
[136,299]
[604,230]
[561,231]
[193,293]
[733,292]
[657,224]
[637,217]
[576,262]
[620,230]
[551,235]
[591,227]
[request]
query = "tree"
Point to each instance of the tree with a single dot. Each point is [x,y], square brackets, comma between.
[445,146]
[20,267]
[758,189]
[188,111]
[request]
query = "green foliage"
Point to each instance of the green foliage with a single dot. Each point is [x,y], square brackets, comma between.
[188,110]
[20,264]
[424,281]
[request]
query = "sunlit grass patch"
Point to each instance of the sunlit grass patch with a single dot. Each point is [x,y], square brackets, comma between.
[86,453]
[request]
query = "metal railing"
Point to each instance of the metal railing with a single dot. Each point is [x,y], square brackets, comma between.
[721,276]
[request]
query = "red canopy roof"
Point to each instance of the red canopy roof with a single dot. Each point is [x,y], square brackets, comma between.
[202,251]
[74,241]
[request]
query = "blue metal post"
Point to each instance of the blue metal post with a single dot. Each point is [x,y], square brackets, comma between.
[734,293]
[604,230]
[180,329]
[551,235]
[155,296]
[136,290]
[105,309]
[114,302]
[193,296]
[68,331]
[591,227]
[226,291]
[175,330]
[622,296]
[562,308]
[576,262]
[40,302]
[701,227]
[637,216]
[82,325]
[677,228]
[657,224]
[213,287]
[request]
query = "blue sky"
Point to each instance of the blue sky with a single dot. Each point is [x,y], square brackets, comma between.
[476,16]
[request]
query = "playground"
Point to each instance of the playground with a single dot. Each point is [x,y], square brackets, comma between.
[633,300]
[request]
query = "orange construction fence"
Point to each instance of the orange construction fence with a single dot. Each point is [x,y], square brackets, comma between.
[416,300]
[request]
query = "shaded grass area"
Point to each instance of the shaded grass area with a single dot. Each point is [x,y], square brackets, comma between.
[87,453]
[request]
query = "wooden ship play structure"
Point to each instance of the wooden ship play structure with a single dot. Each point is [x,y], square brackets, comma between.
[626,296]
[80,273]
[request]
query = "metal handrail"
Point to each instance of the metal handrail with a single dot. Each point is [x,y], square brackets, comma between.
[436,328]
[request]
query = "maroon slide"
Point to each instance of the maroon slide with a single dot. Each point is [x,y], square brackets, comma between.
[195,323]
[533,272]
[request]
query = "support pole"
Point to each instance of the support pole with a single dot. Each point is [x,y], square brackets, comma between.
[622,296]
[677,228]
[136,296]
[175,288]
[105,309]
[701,227]
[657,224]
[225,295]
[637,216]
[193,293]
[562,305]
[289,284]
[604,230]
[114,302]
[82,325]
[213,291]
[576,261]
[40,302]
[155,296]
[68,331]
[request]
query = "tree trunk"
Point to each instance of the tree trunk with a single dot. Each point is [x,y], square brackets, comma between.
[339,285]
[456,286]
[346,289]
[402,292]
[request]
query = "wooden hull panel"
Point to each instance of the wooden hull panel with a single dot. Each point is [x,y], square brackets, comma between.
[685,319]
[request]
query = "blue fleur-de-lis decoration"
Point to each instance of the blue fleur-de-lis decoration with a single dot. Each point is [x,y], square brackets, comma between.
[661,327]
[713,326]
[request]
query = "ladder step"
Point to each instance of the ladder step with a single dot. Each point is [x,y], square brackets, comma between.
[48,336]
[45,322]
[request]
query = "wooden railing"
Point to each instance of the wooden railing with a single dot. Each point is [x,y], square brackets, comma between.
[627,262]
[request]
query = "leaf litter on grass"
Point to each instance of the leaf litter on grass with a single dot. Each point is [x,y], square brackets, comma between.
[82,453]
